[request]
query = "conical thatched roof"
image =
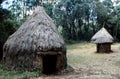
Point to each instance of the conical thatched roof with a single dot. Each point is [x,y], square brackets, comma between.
[102,36]
[38,33]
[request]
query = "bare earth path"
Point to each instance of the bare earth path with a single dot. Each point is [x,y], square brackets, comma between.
[90,65]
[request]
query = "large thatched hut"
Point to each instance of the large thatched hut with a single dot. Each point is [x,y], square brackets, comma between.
[103,40]
[36,45]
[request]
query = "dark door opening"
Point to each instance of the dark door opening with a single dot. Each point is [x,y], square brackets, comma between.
[49,64]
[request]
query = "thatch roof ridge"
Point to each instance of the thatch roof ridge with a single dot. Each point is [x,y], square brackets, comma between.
[38,33]
[102,36]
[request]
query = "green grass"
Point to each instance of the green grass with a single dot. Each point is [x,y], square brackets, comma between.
[78,60]
[4,74]
[79,45]
[117,63]
[75,59]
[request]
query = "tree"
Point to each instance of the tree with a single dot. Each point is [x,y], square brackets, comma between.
[73,16]
[7,27]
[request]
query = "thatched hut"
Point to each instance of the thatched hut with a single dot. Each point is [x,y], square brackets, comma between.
[103,40]
[36,45]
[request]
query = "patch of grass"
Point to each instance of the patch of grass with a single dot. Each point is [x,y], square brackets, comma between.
[70,47]
[4,74]
[75,60]
[117,63]
[79,45]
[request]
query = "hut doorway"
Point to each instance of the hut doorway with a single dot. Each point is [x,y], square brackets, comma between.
[49,64]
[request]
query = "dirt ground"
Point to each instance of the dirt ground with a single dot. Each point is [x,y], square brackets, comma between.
[90,65]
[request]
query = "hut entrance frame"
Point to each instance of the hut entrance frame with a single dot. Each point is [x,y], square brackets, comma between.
[49,64]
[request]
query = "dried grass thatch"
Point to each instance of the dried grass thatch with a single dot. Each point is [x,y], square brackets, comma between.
[37,34]
[102,36]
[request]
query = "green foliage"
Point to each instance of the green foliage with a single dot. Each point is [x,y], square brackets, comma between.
[71,14]
[49,7]
[78,19]
[102,14]
[7,26]
[4,74]
[6,29]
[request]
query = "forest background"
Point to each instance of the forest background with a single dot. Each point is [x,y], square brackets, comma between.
[76,20]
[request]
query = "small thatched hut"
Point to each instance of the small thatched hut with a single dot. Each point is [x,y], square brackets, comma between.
[103,40]
[36,45]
